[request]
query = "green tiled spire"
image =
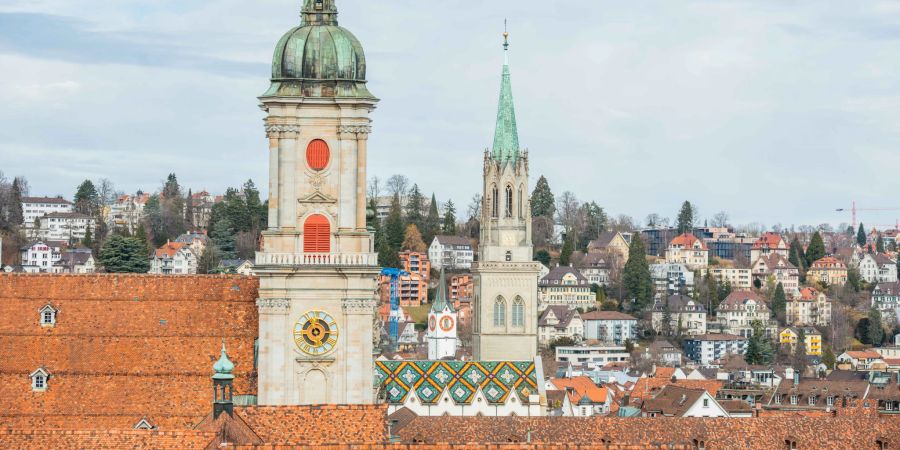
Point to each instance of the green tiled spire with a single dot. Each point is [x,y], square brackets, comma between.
[223,367]
[506,136]
[440,301]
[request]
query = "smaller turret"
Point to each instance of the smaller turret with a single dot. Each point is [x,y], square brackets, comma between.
[442,321]
[223,385]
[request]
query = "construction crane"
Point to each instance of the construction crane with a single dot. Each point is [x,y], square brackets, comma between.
[394,315]
[854,209]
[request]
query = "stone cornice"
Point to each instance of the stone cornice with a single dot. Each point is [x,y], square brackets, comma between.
[281,130]
[273,305]
[358,305]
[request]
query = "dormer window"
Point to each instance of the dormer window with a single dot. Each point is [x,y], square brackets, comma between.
[39,380]
[48,316]
[144,424]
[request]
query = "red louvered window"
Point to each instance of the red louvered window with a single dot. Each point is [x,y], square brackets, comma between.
[317,154]
[316,234]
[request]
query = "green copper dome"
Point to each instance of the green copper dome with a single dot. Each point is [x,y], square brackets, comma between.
[223,367]
[319,58]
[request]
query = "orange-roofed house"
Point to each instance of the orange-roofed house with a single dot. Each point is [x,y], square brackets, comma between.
[583,398]
[769,243]
[862,360]
[688,250]
[827,271]
[174,258]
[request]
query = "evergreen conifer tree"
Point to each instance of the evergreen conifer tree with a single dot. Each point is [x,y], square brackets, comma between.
[879,244]
[875,333]
[565,256]
[543,203]
[189,210]
[759,349]
[543,256]
[393,226]
[223,235]
[686,218]
[449,223]
[124,255]
[828,357]
[636,275]
[415,205]
[87,200]
[432,222]
[861,236]
[797,255]
[815,250]
[799,361]
[779,303]
[15,216]
[88,240]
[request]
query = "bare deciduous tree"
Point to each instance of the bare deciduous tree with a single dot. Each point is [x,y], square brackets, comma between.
[567,211]
[398,185]
[374,188]
[720,219]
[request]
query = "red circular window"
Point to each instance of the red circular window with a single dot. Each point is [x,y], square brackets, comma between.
[317,154]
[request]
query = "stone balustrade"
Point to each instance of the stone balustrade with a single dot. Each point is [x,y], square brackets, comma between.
[316,259]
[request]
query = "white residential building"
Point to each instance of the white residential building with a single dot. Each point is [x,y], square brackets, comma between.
[671,278]
[66,226]
[174,258]
[740,309]
[36,207]
[127,211]
[686,316]
[886,298]
[810,308]
[451,253]
[706,348]
[40,256]
[609,327]
[595,354]
[878,268]
[688,250]
[595,268]
[559,321]
[776,267]
[565,286]
[769,243]
[737,278]
[80,260]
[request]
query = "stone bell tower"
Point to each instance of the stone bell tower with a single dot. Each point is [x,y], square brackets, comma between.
[505,275]
[317,268]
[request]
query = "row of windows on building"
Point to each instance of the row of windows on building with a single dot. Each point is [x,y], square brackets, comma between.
[518,312]
[508,204]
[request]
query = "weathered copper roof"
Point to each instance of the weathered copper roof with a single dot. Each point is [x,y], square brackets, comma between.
[506,135]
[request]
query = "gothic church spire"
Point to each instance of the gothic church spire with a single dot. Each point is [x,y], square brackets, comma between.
[506,136]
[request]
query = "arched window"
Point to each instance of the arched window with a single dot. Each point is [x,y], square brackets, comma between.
[317,154]
[495,202]
[316,234]
[499,312]
[509,201]
[518,312]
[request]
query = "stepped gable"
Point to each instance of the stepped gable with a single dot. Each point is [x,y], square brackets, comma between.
[123,347]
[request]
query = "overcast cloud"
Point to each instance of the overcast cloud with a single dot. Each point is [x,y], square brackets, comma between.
[777,112]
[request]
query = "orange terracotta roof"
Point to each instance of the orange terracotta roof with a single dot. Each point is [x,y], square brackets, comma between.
[828,262]
[169,249]
[864,354]
[318,424]
[104,439]
[687,240]
[123,347]
[771,241]
[665,372]
[581,386]
[808,293]
[648,387]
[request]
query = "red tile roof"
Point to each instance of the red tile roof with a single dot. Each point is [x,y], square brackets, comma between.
[169,249]
[737,299]
[318,424]
[770,241]
[581,386]
[606,315]
[687,240]
[104,439]
[828,262]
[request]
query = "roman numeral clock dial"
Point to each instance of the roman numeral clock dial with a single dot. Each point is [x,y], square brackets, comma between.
[316,333]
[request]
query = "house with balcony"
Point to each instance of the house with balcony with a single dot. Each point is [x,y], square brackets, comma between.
[33,208]
[174,258]
[686,316]
[736,278]
[451,253]
[861,360]
[706,348]
[878,268]
[582,397]
[688,250]
[669,279]
[79,260]
[418,263]
[595,268]
[827,271]
[790,336]
[811,307]
[65,226]
[41,256]
[886,298]
[559,321]
[609,326]
[412,289]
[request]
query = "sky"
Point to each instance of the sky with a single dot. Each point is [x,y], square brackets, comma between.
[776,112]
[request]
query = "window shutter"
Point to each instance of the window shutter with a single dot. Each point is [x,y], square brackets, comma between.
[316,234]
[317,154]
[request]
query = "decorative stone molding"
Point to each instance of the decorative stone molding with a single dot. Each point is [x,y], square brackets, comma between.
[357,129]
[358,305]
[273,305]
[279,130]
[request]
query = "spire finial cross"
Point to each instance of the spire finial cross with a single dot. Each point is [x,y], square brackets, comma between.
[505,37]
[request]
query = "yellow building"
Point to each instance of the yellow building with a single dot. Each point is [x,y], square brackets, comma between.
[828,271]
[789,336]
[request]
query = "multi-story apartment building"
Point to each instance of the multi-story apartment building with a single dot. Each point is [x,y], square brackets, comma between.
[688,250]
[791,335]
[705,349]
[686,316]
[462,287]
[671,279]
[451,253]
[126,212]
[737,278]
[656,240]
[565,286]
[609,326]
[776,267]
[811,307]
[878,268]
[34,208]
[827,271]
[886,298]
[557,322]
[174,258]
[66,226]
[40,256]
[418,263]
[740,309]
[412,289]
[725,244]
[768,244]
[596,354]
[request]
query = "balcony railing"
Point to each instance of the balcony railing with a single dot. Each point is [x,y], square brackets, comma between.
[316,259]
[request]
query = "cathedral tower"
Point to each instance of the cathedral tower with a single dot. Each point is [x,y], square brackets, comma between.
[505,275]
[317,268]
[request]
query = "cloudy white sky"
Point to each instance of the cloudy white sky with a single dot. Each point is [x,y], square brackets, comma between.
[775,111]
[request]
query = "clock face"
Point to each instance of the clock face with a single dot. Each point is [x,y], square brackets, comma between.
[446,323]
[316,333]
[431,323]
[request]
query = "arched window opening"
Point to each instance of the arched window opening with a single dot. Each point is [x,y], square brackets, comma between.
[518,313]
[509,201]
[317,154]
[317,234]
[499,312]
[495,202]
